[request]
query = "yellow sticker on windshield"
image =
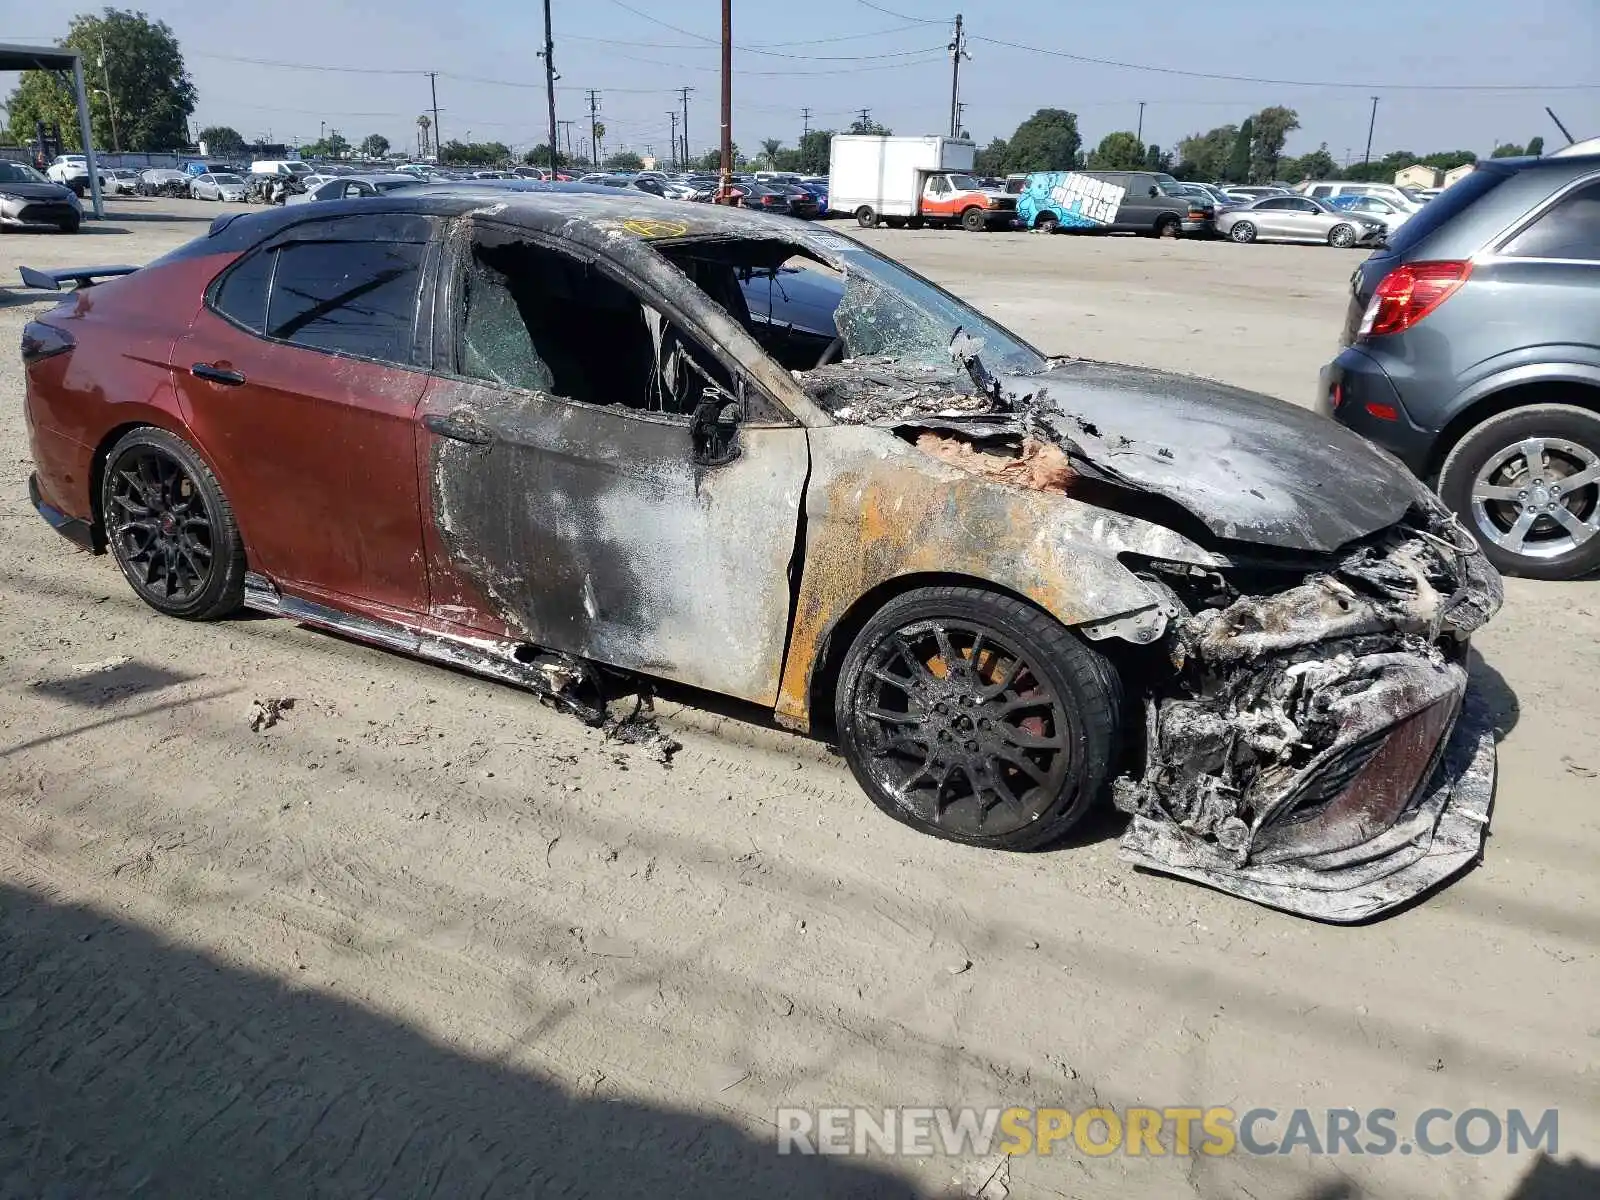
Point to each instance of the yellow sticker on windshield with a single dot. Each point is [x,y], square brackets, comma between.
[647,228]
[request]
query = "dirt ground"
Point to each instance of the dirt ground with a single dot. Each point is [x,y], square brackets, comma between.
[423,936]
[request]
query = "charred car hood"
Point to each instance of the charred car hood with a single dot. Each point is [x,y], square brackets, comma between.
[1250,467]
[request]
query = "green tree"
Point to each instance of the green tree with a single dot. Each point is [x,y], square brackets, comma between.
[623,160]
[374,145]
[1508,150]
[474,154]
[539,156]
[1046,141]
[1270,129]
[991,159]
[1157,159]
[1238,168]
[151,93]
[814,153]
[769,150]
[1205,155]
[1536,147]
[1318,164]
[1117,152]
[868,125]
[221,141]
[711,161]
[1442,160]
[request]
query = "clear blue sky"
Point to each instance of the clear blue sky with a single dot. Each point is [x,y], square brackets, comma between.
[636,64]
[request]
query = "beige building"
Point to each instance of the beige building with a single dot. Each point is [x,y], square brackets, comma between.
[1458,174]
[1418,176]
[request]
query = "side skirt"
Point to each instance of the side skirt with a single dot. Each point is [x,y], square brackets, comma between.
[572,683]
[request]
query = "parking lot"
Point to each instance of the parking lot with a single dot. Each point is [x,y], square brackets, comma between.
[425,928]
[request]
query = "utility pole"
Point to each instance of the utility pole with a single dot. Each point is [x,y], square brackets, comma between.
[433,91]
[594,124]
[673,113]
[1140,134]
[1367,157]
[958,51]
[805,125]
[684,92]
[567,127]
[727,100]
[961,114]
[864,116]
[111,105]
[550,85]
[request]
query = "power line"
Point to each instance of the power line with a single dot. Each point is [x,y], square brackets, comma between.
[751,50]
[901,16]
[1415,87]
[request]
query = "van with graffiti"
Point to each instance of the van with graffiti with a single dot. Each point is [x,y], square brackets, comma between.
[1111,202]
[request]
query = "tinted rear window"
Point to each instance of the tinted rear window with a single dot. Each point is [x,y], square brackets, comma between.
[354,297]
[1570,230]
[1443,207]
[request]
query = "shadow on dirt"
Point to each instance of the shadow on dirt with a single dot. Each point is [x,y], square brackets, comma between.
[127,1065]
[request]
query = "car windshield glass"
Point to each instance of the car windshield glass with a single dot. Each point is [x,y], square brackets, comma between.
[11,172]
[1443,207]
[888,311]
[299,169]
[226,178]
[963,183]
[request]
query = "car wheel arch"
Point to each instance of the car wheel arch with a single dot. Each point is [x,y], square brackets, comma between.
[836,640]
[1579,387]
[102,454]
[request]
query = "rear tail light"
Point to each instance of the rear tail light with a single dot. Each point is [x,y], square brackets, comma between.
[1198,214]
[1409,293]
[44,341]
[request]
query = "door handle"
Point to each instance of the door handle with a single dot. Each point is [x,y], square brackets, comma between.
[458,429]
[216,374]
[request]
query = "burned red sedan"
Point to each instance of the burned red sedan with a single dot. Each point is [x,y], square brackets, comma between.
[563,439]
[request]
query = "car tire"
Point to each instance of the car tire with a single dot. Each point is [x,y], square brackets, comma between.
[1037,719]
[974,221]
[866,218]
[1242,232]
[914,222]
[71,224]
[1481,482]
[1342,237]
[170,528]
[1048,223]
[1168,227]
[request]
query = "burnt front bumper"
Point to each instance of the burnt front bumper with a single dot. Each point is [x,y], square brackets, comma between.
[1319,749]
[1440,835]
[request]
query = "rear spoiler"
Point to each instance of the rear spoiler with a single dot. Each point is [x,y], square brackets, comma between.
[80,277]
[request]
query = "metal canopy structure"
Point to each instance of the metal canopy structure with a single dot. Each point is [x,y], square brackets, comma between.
[57,58]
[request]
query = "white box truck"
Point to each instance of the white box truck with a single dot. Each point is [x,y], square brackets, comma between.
[912,181]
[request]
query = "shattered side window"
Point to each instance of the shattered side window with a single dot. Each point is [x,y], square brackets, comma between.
[496,345]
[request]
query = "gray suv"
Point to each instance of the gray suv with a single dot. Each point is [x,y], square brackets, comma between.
[1472,351]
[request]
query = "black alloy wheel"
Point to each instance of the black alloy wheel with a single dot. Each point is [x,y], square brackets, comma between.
[977,718]
[169,527]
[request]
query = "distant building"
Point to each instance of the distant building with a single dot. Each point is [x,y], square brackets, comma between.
[1458,174]
[1418,176]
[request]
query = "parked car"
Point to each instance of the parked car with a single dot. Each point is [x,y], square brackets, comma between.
[281,166]
[1249,193]
[1391,216]
[28,200]
[119,181]
[163,181]
[1144,202]
[215,185]
[1472,352]
[955,553]
[355,187]
[785,199]
[1298,219]
[70,170]
[1326,189]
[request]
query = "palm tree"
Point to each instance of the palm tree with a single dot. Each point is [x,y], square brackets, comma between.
[423,125]
[770,148]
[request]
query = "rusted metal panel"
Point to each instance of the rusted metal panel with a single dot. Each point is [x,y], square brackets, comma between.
[878,508]
[591,530]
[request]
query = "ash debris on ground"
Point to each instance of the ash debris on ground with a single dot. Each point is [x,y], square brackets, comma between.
[600,700]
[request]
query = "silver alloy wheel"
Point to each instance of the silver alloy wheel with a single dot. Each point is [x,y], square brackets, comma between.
[1539,497]
[1342,236]
[1242,231]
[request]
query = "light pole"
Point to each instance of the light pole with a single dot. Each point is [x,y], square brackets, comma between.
[105,69]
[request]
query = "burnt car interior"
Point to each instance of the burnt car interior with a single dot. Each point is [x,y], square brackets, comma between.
[539,320]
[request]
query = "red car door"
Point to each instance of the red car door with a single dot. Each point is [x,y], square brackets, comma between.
[300,379]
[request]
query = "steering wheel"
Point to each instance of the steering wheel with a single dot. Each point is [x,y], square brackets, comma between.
[831,353]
